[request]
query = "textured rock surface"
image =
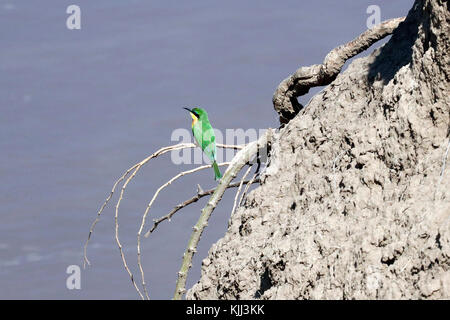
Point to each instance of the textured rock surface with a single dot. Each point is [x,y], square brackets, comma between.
[353,204]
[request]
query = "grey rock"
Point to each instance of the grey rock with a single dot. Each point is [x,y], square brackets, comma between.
[353,204]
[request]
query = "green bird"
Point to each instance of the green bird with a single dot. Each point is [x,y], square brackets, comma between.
[204,135]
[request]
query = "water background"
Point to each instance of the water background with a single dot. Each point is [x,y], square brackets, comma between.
[78,107]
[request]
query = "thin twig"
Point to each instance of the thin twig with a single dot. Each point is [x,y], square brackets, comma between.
[179,175]
[200,194]
[238,162]
[136,168]
[139,164]
[231,146]
[157,153]
[239,189]
[91,230]
[116,222]
[247,187]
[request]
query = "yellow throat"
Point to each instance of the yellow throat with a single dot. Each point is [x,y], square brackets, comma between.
[194,119]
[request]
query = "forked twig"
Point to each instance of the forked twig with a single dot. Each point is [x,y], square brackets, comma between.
[247,187]
[179,175]
[239,189]
[158,152]
[136,168]
[200,194]
[85,259]
[238,162]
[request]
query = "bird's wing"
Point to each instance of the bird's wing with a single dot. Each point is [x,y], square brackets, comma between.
[210,148]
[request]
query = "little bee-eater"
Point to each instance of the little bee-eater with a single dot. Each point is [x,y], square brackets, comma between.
[204,135]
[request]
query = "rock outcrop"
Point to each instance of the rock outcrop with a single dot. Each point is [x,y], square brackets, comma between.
[355,201]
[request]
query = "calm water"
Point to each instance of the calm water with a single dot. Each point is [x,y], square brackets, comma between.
[79,107]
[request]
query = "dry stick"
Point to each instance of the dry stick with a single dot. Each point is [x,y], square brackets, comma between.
[86,260]
[158,152]
[137,167]
[116,222]
[200,194]
[239,189]
[247,187]
[238,162]
[285,97]
[179,175]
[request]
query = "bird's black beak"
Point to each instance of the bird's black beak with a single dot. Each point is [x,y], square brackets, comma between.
[192,112]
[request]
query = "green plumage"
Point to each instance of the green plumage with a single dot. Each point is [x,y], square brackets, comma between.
[204,135]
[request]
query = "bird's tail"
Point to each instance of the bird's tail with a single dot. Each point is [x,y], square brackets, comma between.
[217,173]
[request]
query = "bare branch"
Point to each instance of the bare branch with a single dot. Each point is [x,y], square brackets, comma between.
[179,175]
[200,194]
[238,162]
[86,261]
[136,168]
[230,146]
[247,187]
[116,222]
[285,97]
[239,189]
